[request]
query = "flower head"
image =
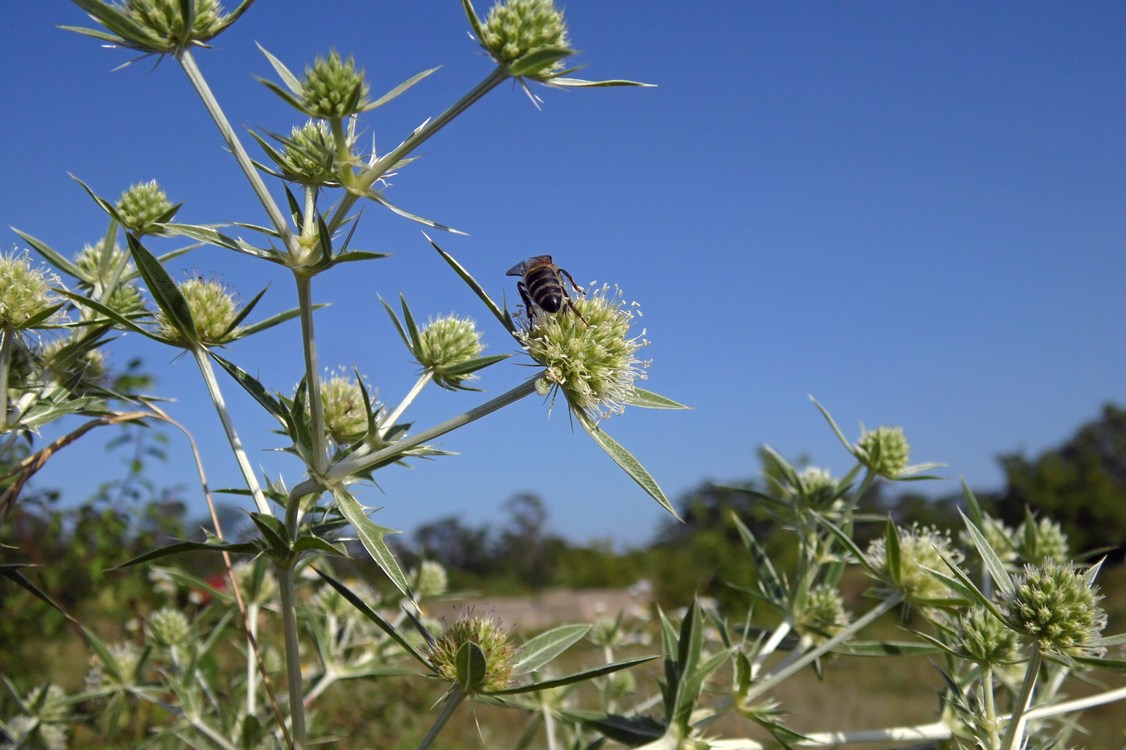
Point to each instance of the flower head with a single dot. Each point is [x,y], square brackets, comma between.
[345,412]
[822,615]
[143,207]
[431,579]
[493,642]
[26,298]
[984,639]
[884,450]
[309,156]
[515,29]
[592,359]
[213,311]
[1042,540]
[164,20]
[1057,607]
[445,346]
[922,551]
[169,627]
[333,88]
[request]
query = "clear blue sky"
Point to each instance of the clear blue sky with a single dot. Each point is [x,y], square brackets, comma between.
[915,212]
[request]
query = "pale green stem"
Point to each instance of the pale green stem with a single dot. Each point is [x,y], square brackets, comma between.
[292,656]
[358,462]
[251,479]
[1016,721]
[312,378]
[1079,704]
[990,708]
[774,677]
[251,664]
[367,177]
[416,389]
[277,218]
[212,734]
[7,336]
[549,728]
[771,645]
[327,680]
[453,700]
[922,732]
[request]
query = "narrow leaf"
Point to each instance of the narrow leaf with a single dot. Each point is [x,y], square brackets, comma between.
[178,548]
[649,400]
[399,89]
[992,562]
[625,459]
[571,679]
[371,536]
[542,649]
[291,81]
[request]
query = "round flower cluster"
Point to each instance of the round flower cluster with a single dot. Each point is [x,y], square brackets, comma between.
[1057,607]
[517,28]
[984,639]
[25,293]
[488,636]
[342,401]
[310,154]
[164,19]
[921,551]
[884,450]
[592,359]
[431,579]
[1043,540]
[143,206]
[822,615]
[447,344]
[333,88]
[170,627]
[213,311]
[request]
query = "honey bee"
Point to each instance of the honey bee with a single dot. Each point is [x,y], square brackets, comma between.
[544,286]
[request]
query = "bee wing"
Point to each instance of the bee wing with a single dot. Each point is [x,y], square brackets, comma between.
[516,270]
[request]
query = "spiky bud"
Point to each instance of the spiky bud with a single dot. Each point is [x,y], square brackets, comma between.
[342,401]
[431,579]
[884,450]
[1057,607]
[488,636]
[213,311]
[333,88]
[80,372]
[516,28]
[309,156]
[592,359]
[143,206]
[25,293]
[169,627]
[984,639]
[445,345]
[164,20]
[1042,540]
[821,615]
[921,553]
[257,583]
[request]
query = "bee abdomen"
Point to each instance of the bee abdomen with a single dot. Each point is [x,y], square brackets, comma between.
[545,289]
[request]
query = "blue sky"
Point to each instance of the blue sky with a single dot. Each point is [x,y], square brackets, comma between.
[915,212]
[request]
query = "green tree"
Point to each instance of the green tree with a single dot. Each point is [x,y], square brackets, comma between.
[1081,484]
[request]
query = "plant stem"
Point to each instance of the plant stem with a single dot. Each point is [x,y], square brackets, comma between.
[1016,721]
[312,375]
[251,479]
[990,707]
[416,389]
[453,700]
[277,218]
[367,177]
[778,675]
[771,645]
[292,656]
[7,336]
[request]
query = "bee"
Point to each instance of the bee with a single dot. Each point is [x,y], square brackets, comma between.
[544,284]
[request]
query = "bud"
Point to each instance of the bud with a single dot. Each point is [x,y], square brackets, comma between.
[431,579]
[256,582]
[883,450]
[342,401]
[985,640]
[592,359]
[921,552]
[143,206]
[1040,541]
[165,21]
[213,311]
[822,615]
[169,627]
[309,156]
[78,373]
[333,88]
[1057,607]
[446,344]
[488,636]
[25,293]
[517,28]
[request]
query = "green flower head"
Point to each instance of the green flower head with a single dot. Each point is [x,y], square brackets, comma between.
[447,344]
[26,298]
[1041,540]
[164,19]
[592,359]
[309,156]
[334,88]
[515,29]
[984,639]
[884,450]
[1057,607]
[213,311]
[143,207]
[822,615]
[921,553]
[170,627]
[487,635]
[345,413]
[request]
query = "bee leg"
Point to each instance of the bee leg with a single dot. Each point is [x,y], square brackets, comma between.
[520,287]
[577,288]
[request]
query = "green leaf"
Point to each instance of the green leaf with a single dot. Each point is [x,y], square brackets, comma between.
[649,400]
[291,81]
[470,664]
[378,198]
[992,562]
[398,89]
[542,649]
[474,365]
[371,536]
[55,259]
[163,289]
[178,548]
[571,679]
[578,83]
[538,61]
[625,459]
[266,399]
[885,648]
[273,320]
[398,325]
[11,571]
[212,236]
[274,532]
[768,577]
[504,318]
[374,616]
[474,19]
